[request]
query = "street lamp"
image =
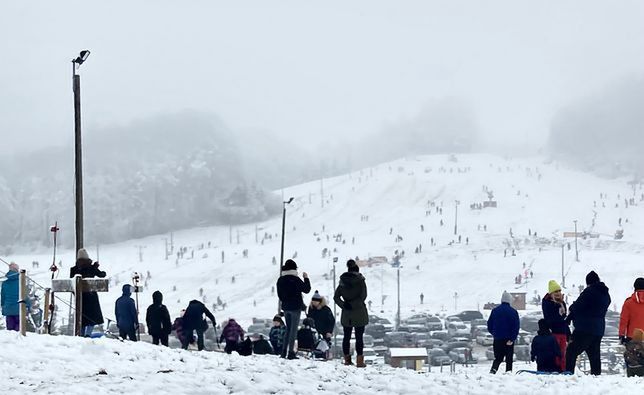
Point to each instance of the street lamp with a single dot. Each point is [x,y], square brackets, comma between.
[456,203]
[576,249]
[78,157]
[284,204]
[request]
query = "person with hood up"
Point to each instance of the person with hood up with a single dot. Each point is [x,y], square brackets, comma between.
[588,315]
[92,314]
[261,346]
[350,296]
[503,325]
[545,349]
[632,315]
[127,319]
[277,335]
[322,316]
[233,334]
[157,318]
[289,290]
[193,321]
[555,312]
[9,298]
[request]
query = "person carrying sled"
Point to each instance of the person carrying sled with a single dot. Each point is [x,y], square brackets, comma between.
[91,311]
[127,319]
[545,349]
[555,312]
[289,290]
[350,296]
[233,334]
[193,321]
[157,319]
[503,324]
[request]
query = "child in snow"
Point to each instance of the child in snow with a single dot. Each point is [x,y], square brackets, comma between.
[306,336]
[261,346]
[545,349]
[177,327]
[276,335]
[232,333]
[634,354]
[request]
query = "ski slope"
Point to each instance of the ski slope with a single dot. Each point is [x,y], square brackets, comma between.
[532,194]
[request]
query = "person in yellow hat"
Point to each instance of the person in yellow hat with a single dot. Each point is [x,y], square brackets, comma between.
[555,312]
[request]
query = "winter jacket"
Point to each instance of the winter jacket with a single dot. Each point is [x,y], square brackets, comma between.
[306,339]
[193,317]
[262,347]
[504,322]
[350,296]
[10,294]
[232,332]
[245,348]
[588,313]
[555,315]
[157,316]
[544,350]
[290,288]
[632,315]
[177,326]
[323,317]
[276,336]
[125,310]
[92,314]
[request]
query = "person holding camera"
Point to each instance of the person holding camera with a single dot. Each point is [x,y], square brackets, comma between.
[350,296]
[289,290]
[127,319]
[193,321]
[92,314]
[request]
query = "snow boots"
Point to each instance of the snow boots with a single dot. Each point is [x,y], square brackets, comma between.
[347,360]
[360,362]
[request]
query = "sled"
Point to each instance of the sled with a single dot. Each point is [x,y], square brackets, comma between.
[539,373]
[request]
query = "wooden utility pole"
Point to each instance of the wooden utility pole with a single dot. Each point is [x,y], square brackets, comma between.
[23,301]
[78,161]
[47,315]
[77,286]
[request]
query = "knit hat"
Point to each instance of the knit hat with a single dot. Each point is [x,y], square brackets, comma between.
[592,278]
[506,298]
[639,284]
[82,254]
[553,286]
[13,267]
[317,296]
[352,266]
[290,265]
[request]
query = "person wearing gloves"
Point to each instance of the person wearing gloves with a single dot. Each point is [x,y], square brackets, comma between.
[632,315]
[503,325]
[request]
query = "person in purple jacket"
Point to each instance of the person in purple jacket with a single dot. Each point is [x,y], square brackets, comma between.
[503,324]
[233,334]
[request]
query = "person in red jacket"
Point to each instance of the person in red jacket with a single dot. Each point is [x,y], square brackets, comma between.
[632,316]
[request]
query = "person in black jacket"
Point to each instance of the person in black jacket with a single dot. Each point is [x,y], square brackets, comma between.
[322,315]
[289,290]
[193,321]
[588,315]
[158,320]
[91,310]
[545,349]
[555,311]
[350,295]
[261,346]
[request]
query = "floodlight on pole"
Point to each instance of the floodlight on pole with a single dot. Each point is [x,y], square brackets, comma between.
[78,152]
[284,204]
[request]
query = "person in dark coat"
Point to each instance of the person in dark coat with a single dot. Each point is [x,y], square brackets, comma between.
[322,315]
[555,312]
[588,315]
[158,320]
[289,290]
[545,349]
[92,314]
[245,347]
[306,336]
[503,325]
[177,327]
[233,334]
[350,296]
[277,335]
[193,321]
[261,346]
[127,319]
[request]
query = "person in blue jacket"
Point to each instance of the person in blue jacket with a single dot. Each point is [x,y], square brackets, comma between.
[503,324]
[10,305]
[588,315]
[127,318]
[545,349]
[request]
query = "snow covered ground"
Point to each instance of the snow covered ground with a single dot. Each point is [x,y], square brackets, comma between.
[65,365]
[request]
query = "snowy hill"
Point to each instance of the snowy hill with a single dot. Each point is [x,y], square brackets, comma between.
[533,195]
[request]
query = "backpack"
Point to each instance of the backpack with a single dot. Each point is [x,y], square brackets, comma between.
[634,354]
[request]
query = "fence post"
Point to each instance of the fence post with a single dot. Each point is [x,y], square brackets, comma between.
[78,296]
[47,315]
[23,302]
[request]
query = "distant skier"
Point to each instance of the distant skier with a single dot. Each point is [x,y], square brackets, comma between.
[350,296]
[422,298]
[127,319]
[193,321]
[503,324]
[157,319]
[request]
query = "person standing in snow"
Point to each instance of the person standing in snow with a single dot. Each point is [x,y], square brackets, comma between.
[233,334]
[632,315]
[10,296]
[350,296]
[193,321]
[555,312]
[127,319]
[91,311]
[545,350]
[277,335]
[322,316]
[503,324]
[588,314]
[289,290]
[157,319]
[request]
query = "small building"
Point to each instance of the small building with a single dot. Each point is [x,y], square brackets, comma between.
[518,302]
[409,358]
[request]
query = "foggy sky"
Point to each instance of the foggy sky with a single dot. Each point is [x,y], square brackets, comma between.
[309,71]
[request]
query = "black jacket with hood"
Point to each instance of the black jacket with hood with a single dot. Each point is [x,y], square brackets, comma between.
[350,296]
[157,317]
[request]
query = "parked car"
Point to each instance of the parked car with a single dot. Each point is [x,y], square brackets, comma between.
[368,341]
[438,357]
[469,315]
[457,329]
[530,323]
[380,350]
[453,318]
[376,330]
[522,352]
[462,355]
[432,343]
[479,321]
[476,330]
[456,344]
[417,328]
[440,335]
[398,339]
[369,355]
[434,324]
[485,339]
